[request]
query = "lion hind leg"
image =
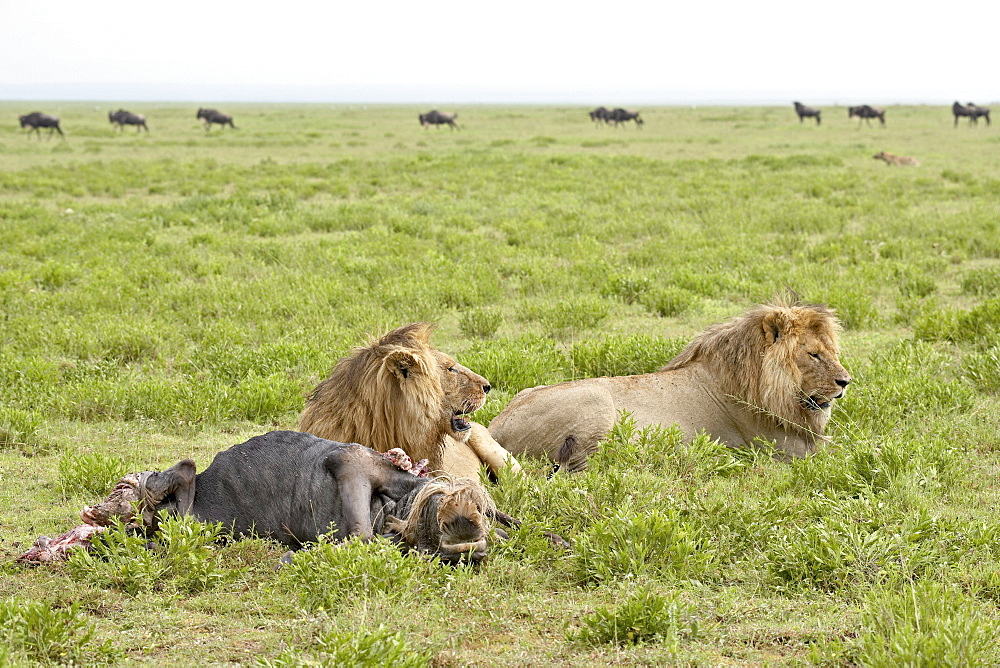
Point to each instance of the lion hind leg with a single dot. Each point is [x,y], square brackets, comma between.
[541,422]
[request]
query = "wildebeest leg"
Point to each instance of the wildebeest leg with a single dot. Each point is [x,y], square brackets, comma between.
[354,489]
[504,518]
[355,493]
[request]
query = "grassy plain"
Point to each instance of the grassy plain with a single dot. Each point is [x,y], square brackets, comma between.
[167,295]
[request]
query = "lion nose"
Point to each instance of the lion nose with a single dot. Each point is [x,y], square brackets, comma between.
[843,382]
[487,388]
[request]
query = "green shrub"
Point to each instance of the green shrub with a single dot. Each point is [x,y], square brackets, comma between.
[980,324]
[189,553]
[659,449]
[481,323]
[90,474]
[565,318]
[981,282]
[644,617]
[514,364]
[816,556]
[37,632]
[926,624]
[330,575]
[855,309]
[906,381]
[19,428]
[913,284]
[983,370]
[364,649]
[630,543]
[630,288]
[264,400]
[623,355]
[849,544]
[670,301]
[184,556]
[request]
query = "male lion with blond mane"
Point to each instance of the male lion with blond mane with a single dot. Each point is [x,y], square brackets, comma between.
[401,392]
[768,375]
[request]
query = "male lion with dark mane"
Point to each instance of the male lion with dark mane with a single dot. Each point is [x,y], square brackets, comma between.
[770,375]
[401,392]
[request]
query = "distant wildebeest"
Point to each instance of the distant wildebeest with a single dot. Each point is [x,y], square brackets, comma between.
[978,111]
[806,112]
[121,118]
[897,160]
[438,118]
[971,111]
[600,115]
[212,116]
[866,113]
[619,116]
[37,119]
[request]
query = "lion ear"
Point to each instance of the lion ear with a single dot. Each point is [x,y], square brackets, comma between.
[400,362]
[776,324]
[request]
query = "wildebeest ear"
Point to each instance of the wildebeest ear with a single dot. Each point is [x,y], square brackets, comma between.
[776,324]
[400,363]
[178,480]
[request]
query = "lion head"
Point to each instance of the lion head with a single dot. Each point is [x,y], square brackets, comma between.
[779,359]
[398,391]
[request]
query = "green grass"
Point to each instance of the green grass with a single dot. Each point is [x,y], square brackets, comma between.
[167,296]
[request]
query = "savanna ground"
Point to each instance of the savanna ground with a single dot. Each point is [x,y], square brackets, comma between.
[168,295]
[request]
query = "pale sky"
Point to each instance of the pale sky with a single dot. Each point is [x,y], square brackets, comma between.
[846,51]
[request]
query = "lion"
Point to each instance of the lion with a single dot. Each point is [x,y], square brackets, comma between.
[401,392]
[768,375]
[898,160]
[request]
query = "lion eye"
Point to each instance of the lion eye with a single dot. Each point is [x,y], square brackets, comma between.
[452,369]
[815,356]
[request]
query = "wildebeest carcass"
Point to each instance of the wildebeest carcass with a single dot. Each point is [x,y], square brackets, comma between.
[214,116]
[806,112]
[971,111]
[619,116]
[37,119]
[600,115]
[294,487]
[438,118]
[121,118]
[865,113]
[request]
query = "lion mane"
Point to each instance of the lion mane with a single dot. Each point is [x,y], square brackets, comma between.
[770,374]
[401,392]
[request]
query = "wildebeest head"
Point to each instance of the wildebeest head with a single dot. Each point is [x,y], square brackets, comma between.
[445,518]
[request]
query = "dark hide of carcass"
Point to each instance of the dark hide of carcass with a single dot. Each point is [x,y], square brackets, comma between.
[294,487]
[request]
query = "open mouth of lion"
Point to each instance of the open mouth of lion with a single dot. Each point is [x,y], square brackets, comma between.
[817,402]
[460,422]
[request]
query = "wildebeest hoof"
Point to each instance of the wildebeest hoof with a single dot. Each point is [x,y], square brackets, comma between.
[558,541]
[287,559]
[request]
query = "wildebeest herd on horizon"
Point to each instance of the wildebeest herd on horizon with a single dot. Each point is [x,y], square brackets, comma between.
[37,120]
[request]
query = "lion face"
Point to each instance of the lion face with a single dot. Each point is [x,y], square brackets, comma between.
[397,392]
[463,392]
[822,378]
